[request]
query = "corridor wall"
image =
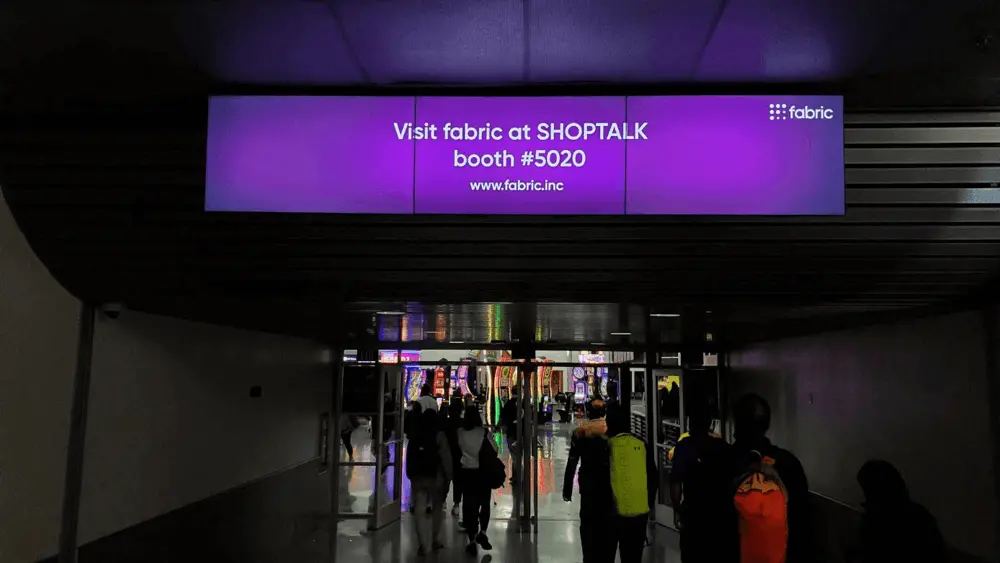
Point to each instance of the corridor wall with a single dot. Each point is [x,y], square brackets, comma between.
[171,422]
[912,393]
[38,332]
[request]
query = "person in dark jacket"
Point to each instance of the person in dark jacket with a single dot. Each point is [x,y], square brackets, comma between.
[589,449]
[509,418]
[700,480]
[628,533]
[751,421]
[893,527]
[511,423]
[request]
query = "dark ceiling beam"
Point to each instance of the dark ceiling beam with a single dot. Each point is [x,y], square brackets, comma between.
[334,9]
[720,12]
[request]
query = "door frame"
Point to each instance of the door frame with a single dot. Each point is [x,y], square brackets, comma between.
[663,513]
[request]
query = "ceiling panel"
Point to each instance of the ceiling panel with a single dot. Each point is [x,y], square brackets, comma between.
[268,42]
[444,41]
[626,40]
[95,52]
[792,40]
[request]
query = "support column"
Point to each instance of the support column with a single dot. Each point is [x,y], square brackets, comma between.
[523,349]
[650,361]
[991,325]
[73,485]
[333,446]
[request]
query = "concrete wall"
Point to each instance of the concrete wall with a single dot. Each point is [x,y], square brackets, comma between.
[170,421]
[38,331]
[914,394]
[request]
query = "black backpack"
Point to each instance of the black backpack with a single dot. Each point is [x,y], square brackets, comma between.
[423,460]
[411,421]
[493,470]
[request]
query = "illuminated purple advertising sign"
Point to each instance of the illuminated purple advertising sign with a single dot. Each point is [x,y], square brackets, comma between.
[737,155]
[668,155]
[512,156]
[308,154]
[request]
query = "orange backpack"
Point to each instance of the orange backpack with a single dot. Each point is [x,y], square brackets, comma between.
[762,506]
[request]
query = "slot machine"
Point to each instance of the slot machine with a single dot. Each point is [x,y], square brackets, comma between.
[439,380]
[414,381]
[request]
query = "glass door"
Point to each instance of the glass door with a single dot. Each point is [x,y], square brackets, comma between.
[665,418]
[523,454]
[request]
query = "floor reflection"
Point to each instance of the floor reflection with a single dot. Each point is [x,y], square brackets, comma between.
[557,539]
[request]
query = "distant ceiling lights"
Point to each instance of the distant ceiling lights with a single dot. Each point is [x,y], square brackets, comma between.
[457,342]
[664,315]
[621,334]
[597,344]
[391,313]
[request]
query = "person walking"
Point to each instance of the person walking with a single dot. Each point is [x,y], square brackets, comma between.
[429,467]
[348,424]
[474,442]
[634,483]
[589,449]
[456,412]
[700,481]
[773,478]
[508,424]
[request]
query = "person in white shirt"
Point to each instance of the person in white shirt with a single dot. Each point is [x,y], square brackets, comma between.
[476,492]
[427,401]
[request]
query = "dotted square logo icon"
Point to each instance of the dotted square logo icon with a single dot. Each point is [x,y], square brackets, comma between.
[778,111]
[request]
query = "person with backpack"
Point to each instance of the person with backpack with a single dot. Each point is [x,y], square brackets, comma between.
[478,449]
[634,484]
[699,492]
[429,467]
[771,492]
[589,449]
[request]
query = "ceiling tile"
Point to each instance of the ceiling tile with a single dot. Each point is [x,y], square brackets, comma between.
[268,42]
[791,40]
[626,40]
[445,41]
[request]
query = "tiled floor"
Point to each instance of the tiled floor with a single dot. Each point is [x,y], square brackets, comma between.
[557,539]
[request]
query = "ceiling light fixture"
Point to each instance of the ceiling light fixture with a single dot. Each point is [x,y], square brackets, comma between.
[621,334]
[664,315]
[457,342]
[391,313]
[597,344]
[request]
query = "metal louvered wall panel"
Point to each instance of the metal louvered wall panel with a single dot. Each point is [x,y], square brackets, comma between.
[113,205]
[939,171]
[944,165]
